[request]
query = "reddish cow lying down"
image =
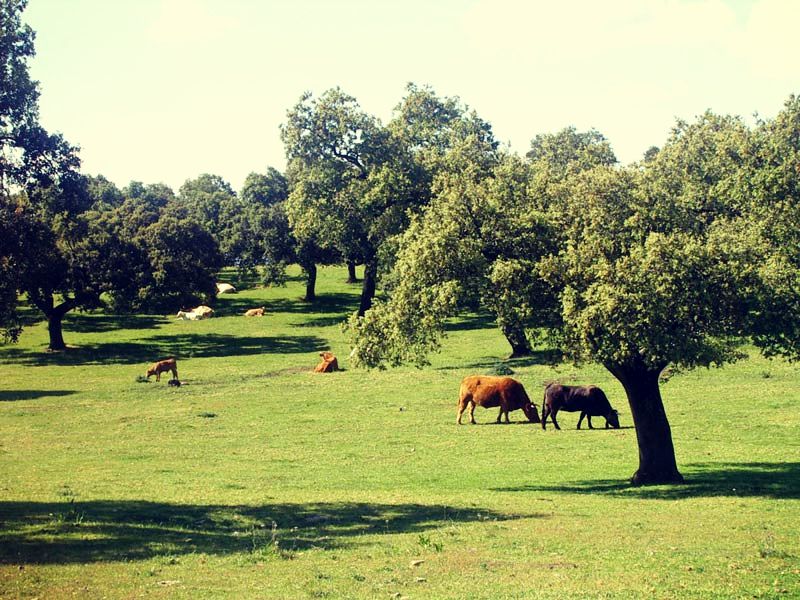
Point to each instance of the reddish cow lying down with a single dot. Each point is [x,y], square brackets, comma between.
[488,391]
[328,364]
[590,400]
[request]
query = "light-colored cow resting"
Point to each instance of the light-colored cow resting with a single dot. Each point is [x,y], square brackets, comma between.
[205,311]
[201,312]
[225,288]
[255,312]
[329,364]
[188,315]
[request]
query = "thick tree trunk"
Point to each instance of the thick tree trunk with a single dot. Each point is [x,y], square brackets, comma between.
[55,330]
[520,346]
[351,272]
[311,281]
[55,317]
[656,452]
[368,288]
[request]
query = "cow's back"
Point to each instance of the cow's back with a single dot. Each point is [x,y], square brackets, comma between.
[488,390]
[573,398]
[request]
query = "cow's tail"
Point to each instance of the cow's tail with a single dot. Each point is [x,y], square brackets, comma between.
[544,400]
[546,387]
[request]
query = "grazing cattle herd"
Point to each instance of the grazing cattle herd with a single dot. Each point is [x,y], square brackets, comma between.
[476,390]
[509,394]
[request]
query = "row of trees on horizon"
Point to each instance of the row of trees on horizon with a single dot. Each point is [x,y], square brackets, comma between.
[674,260]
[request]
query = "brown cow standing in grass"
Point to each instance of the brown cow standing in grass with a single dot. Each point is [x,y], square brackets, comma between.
[488,391]
[589,399]
[162,366]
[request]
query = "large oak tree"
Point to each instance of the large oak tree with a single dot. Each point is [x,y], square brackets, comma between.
[674,261]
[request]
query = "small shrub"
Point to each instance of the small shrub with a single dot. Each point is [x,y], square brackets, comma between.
[426,542]
[501,370]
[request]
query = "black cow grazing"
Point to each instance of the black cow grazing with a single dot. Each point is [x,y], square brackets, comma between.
[588,399]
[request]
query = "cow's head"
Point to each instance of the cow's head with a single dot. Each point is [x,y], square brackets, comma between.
[530,410]
[613,419]
[150,372]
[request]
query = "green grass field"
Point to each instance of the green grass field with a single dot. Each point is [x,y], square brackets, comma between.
[260,479]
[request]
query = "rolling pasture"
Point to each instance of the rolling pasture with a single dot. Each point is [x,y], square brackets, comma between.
[260,479]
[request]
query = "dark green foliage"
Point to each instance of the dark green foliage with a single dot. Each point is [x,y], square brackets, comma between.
[184,259]
[29,155]
[673,261]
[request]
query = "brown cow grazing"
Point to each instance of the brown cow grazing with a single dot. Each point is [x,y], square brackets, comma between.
[589,399]
[488,391]
[255,312]
[329,363]
[162,366]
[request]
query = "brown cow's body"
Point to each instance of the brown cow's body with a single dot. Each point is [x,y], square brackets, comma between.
[255,312]
[488,391]
[329,363]
[162,366]
[590,400]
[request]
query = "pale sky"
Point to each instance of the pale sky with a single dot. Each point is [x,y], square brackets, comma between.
[164,90]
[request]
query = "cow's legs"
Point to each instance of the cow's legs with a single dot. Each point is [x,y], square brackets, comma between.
[461,406]
[472,412]
[503,411]
[589,419]
[553,416]
[545,412]
[175,373]
[580,419]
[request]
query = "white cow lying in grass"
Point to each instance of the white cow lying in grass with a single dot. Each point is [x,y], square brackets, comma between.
[188,315]
[225,288]
[201,312]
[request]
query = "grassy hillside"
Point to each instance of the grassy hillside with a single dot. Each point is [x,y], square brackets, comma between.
[258,478]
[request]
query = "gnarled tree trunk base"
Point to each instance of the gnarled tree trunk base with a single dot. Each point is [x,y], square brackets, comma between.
[667,477]
[657,464]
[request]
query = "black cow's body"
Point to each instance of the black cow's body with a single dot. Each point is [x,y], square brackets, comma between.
[588,399]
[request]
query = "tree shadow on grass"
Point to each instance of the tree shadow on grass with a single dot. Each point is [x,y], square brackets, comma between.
[99,323]
[471,322]
[322,321]
[489,363]
[330,304]
[80,532]
[343,304]
[15,395]
[181,346]
[758,479]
